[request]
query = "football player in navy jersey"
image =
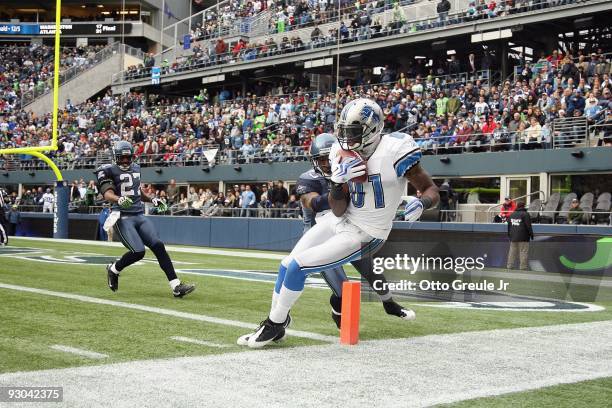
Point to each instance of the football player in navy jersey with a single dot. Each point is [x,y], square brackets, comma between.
[119,184]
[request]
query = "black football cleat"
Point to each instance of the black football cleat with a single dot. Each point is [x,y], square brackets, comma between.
[395,309]
[112,277]
[267,332]
[244,339]
[336,309]
[183,289]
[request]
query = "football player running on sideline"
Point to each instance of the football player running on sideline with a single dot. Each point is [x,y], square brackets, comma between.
[119,184]
[364,215]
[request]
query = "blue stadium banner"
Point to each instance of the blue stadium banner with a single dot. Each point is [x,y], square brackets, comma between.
[19,29]
[155,75]
[187,41]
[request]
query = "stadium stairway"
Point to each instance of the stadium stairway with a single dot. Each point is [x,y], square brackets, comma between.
[113,59]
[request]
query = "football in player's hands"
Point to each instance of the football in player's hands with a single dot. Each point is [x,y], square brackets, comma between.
[347,155]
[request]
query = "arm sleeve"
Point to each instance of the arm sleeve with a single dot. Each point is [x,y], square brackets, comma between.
[105,180]
[406,153]
[320,203]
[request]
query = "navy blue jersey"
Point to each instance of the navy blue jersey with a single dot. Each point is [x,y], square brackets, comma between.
[125,183]
[310,182]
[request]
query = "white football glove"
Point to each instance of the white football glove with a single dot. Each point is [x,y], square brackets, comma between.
[125,202]
[413,209]
[347,169]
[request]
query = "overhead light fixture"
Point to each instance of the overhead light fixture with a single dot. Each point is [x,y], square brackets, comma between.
[100,5]
[445,159]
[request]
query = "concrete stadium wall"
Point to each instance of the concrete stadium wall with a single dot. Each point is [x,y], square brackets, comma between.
[597,159]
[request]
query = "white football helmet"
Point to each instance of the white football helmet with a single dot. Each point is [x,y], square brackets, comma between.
[360,126]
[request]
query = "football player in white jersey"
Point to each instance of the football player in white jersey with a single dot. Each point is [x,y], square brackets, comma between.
[361,220]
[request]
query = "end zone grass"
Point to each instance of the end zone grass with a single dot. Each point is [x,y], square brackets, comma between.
[33,322]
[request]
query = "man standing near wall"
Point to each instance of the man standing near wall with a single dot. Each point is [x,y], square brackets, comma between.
[520,233]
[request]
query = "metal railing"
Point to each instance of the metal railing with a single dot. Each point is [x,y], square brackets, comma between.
[541,194]
[436,145]
[570,132]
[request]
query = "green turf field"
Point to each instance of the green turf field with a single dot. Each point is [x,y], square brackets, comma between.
[33,322]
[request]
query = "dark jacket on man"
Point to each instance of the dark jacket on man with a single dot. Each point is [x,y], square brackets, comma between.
[519,226]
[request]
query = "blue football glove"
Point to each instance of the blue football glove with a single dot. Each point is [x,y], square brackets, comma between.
[413,209]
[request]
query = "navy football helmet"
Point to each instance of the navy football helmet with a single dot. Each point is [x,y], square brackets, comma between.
[123,154]
[319,153]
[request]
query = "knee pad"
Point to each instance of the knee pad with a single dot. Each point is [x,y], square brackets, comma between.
[286,261]
[294,278]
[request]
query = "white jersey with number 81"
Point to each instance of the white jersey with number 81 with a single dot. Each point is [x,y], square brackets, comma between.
[373,204]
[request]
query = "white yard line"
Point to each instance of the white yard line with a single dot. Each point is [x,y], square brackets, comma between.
[188,250]
[414,372]
[197,341]
[161,311]
[79,352]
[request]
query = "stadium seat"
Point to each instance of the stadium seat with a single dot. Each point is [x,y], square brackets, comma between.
[534,210]
[550,209]
[601,213]
[586,204]
[565,206]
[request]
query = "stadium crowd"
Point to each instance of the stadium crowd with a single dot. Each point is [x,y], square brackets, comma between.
[447,114]
[29,69]
[358,21]
[270,199]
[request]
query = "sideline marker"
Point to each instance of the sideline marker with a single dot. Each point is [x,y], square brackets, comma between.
[351,307]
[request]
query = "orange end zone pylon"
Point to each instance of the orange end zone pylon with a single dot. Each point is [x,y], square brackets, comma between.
[351,307]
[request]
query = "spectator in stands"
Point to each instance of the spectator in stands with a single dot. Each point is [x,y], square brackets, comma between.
[14,219]
[443,8]
[279,197]
[575,214]
[447,198]
[172,192]
[520,233]
[247,201]
[506,211]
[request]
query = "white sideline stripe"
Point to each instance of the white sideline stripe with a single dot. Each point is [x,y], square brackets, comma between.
[187,250]
[196,341]
[79,352]
[161,311]
[425,371]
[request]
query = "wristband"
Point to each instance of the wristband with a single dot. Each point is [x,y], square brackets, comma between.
[320,203]
[336,191]
[426,201]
